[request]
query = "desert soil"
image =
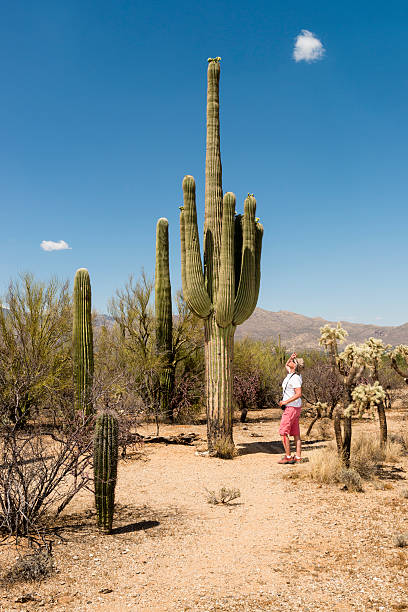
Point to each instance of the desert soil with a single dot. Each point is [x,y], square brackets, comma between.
[284,544]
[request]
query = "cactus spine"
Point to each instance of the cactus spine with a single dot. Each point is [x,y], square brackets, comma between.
[83,342]
[225,293]
[164,318]
[105,467]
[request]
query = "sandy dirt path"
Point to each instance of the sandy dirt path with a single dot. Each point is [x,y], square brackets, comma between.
[284,544]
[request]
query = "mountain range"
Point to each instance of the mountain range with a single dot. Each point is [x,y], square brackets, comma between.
[300,332]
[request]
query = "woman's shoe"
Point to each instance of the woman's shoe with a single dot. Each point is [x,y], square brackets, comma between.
[287,460]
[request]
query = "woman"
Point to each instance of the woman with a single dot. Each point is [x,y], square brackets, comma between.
[292,405]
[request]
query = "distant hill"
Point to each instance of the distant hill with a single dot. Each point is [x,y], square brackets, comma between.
[298,331]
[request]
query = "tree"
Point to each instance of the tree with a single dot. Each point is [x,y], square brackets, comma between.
[35,346]
[136,345]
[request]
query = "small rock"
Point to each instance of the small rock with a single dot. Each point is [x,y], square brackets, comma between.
[106,590]
[24,598]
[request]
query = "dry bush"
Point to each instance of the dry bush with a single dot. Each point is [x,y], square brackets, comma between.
[401,540]
[224,496]
[225,449]
[40,474]
[31,567]
[325,428]
[351,479]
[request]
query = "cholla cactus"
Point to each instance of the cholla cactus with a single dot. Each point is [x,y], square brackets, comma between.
[400,351]
[365,397]
[322,408]
[375,350]
[330,336]
[354,356]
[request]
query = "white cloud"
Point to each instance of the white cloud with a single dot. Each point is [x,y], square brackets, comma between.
[307,47]
[50,245]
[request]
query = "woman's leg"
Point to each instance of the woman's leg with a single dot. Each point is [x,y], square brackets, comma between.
[298,443]
[286,444]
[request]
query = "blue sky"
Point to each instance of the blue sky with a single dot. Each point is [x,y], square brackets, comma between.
[102,113]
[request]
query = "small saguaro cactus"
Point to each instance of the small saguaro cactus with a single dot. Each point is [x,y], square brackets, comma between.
[82,340]
[164,317]
[226,292]
[105,467]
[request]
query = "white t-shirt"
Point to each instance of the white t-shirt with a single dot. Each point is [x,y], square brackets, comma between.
[292,382]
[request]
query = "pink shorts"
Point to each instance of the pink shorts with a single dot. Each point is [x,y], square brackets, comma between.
[289,425]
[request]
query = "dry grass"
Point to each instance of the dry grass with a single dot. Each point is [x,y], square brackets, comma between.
[366,455]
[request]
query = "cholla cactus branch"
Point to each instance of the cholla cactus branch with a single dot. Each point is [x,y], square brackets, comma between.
[365,397]
[330,336]
[400,353]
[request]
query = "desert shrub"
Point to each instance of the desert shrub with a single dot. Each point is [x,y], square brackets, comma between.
[31,567]
[401,540]
[41,471]
[35,347]
[351,479]
[321,382]
[325,428]
[262,362]
[224,496]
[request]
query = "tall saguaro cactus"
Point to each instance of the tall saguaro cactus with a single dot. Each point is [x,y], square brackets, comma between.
[105,467]
[225,293]
[164,317]
[82,339]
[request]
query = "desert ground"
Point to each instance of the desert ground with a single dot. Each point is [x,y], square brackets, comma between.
[285,544]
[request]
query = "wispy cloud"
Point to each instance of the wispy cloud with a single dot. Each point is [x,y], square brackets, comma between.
[50,245]
[308,48]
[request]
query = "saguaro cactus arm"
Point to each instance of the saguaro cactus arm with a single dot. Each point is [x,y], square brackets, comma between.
[246,289]
[213,181]
[196,295]
[259,230]
[226,289]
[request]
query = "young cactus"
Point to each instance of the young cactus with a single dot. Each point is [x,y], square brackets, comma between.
[225,293]
[164,317]
[82,340]
[105,467]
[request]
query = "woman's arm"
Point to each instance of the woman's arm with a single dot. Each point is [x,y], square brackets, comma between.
[297,395]
[291,358]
